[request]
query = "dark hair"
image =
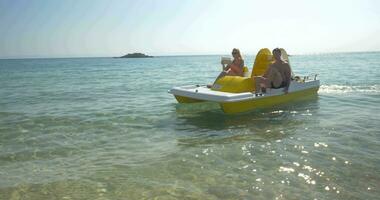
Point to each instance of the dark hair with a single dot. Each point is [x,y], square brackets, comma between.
[276,50]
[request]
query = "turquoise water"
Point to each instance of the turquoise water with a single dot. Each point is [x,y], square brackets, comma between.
[103,128]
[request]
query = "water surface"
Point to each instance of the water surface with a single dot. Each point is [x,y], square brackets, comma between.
[103,128]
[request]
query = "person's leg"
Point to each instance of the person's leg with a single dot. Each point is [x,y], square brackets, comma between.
[223,73]
[231,73]
[275,79]
[261,82]
[257,80]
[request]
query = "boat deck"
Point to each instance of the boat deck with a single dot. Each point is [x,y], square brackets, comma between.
[206,94]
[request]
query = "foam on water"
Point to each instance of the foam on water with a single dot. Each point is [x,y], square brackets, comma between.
[347,89]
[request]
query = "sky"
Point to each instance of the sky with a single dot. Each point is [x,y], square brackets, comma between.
[97,28]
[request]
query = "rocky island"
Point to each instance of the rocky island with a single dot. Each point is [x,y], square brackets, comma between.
[135,55]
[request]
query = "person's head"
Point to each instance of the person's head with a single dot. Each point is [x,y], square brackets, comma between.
[276,54]
[236,53]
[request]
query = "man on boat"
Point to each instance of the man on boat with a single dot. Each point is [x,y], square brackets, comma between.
[278,74]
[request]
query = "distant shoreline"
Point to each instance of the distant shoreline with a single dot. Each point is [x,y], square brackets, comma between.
[135,55]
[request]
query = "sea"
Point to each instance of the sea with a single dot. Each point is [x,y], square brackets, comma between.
[107,128]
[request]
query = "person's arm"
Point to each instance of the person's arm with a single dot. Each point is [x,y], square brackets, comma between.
[227,67]
[242,63]
[230,65]
[241,67]
[267,71]
[288,75]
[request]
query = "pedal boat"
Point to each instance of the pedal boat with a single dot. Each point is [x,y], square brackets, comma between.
[237,94]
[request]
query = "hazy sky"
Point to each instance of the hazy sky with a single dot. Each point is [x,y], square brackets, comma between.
[65,28]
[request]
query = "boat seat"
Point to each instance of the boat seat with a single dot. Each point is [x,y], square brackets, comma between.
[234,84]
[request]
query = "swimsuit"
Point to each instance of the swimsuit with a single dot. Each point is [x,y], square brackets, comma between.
[236,68]
[283,84]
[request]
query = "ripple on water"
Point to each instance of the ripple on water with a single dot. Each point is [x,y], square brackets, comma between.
[90,129]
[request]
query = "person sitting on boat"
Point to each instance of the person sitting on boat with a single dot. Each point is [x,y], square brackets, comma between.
[235,68]
[278,74]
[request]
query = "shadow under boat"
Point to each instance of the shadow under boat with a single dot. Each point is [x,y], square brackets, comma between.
[204,123]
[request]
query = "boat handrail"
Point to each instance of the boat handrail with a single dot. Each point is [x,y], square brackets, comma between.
[304,78]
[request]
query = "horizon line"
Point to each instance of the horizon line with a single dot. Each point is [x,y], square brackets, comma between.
[182,55]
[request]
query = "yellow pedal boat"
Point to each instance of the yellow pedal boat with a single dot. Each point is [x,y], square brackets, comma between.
[237,94]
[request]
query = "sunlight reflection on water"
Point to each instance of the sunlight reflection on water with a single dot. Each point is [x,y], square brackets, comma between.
[89,129]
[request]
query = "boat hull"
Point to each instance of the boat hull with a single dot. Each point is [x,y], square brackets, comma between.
[245,101]
[244,106]
[183,99]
